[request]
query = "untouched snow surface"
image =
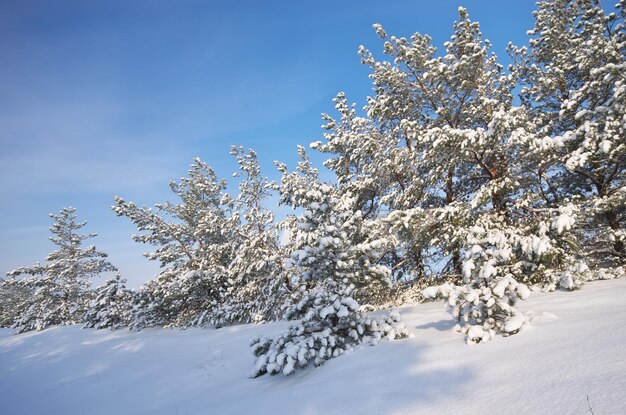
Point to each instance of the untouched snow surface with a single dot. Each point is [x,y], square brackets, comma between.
[574,347]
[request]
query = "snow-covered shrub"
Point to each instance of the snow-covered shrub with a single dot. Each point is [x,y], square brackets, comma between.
[111,307]
[330,326]
[410,293]
[577,273]
[146,310]
[503,257]
[570,278]
[484,309]
[485,305]
[553,256]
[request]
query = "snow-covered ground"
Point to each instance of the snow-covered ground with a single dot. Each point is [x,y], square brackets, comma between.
[574,348]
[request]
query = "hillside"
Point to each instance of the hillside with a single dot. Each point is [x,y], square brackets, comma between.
[572,348]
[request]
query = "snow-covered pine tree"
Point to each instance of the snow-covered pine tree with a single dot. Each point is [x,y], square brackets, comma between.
[157,303]
[462,178]
[256,287]
[377,169]
[573,81]
[331,325]
[14,296]
[454,151]
[111,306]
[332,251]
[440,129]
[331,240]
[492,271]
[219,253]
[193,240]
[60,287]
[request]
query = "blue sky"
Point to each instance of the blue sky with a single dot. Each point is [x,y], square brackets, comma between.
[115,98]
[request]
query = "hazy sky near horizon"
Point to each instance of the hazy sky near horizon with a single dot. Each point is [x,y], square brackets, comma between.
[116,98]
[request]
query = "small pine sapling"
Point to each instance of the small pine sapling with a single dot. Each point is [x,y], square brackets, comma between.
[331,325]
[111,307]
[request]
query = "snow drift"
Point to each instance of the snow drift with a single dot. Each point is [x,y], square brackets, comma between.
[572,348]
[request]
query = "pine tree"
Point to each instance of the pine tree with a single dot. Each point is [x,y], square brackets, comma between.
[193,240]
[331,240]
[573,82]
[441,131]
[219,253]
[331,325]
[472,188]
[256,286]
[111,306]
[332,250]
[60,288]
[14,297]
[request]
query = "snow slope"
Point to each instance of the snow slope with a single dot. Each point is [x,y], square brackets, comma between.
[574,347]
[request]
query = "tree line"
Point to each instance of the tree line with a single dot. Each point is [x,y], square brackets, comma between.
[460,179]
